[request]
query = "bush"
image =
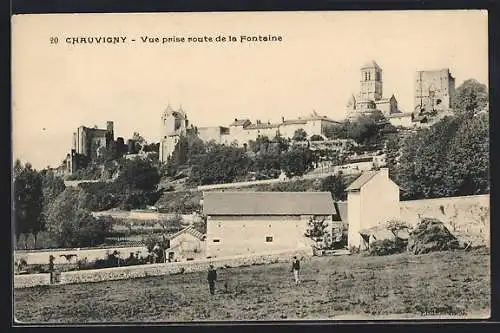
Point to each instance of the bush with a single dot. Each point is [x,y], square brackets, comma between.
[387,246]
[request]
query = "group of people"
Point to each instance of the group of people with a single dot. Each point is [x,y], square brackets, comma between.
[212,274]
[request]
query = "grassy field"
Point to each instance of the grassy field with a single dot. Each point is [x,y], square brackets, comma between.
[342,287]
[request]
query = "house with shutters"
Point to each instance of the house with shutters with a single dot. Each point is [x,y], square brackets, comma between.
[240,223]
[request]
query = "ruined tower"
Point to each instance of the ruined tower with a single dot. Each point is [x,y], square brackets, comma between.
[434,90]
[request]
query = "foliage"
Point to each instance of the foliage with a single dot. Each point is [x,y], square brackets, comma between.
[393,152]
[387,247]
[297,161]
[467,160]
[73,226]
[317,231]
[172,224]
[449,158]
[316,137]
[185,150]
[179,202]
[470,97]
[28,199]
[220,164]
[138,174]
[201,224]
[93,171]
[336,186]
[299,135]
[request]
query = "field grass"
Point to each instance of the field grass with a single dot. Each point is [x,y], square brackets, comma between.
[342,287]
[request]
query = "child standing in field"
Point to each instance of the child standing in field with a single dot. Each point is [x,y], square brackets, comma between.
[296,269]
[212,277]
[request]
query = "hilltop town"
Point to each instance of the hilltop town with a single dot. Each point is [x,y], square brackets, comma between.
[434,92]
[381,181]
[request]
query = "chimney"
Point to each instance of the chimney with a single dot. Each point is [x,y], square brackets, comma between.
[384,172]
[282,119]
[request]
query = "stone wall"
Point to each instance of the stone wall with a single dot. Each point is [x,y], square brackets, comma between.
[130,272]
[41,257]
[467,217]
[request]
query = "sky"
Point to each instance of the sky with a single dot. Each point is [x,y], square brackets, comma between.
[58,87]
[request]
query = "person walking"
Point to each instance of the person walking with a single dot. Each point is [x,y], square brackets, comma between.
[212,278]
[296,269]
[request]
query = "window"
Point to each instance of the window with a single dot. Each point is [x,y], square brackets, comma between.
[216,240]
[269,239]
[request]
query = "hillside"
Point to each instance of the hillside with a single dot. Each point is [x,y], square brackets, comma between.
[402,286]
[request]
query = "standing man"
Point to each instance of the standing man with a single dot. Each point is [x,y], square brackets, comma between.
[296,269]
[212,277]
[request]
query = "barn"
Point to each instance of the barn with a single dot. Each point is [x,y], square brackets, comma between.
[240,223]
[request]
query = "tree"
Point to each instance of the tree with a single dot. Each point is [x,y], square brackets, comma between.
[335,131]
[448,159]
[393,150]
[28,200]
[317,137]
[296,161]
[52,186]
[139,175]
[423,160]
[471,96]
[317,232]
[467,159]
[220,164]
[139,140]
[336,186]
[71,225]
[299,135]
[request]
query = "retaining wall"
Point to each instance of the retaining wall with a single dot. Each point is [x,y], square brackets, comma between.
[467,217]
[130,272]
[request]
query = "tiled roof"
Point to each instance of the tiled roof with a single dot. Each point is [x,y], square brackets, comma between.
[294,121]
[190,230]
[361,180]
[259,126]
[268,203]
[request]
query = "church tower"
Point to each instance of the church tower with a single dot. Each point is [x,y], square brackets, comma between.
[174,125]
[371,82]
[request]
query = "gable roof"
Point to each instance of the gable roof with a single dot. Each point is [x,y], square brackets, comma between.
[268,203]
[190,230]
[361,180]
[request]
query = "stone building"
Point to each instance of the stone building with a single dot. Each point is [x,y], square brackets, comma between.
[367,208]
[87,143]
[241,223]
[434,90]
[174,126]
[241,131]
[370,97]
[187,244]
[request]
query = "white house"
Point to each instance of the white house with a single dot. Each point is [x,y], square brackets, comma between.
[372,199]
[241,223]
